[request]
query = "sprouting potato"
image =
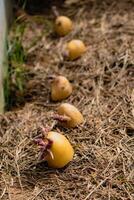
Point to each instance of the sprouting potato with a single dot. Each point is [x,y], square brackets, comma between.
[68,115]
[55,149]
[75,49]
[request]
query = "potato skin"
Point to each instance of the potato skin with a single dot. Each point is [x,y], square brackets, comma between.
[61,88]
[63,25]
[72,112]
[75,48]
[61,149]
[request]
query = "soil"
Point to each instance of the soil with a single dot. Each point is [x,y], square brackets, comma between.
[103,85]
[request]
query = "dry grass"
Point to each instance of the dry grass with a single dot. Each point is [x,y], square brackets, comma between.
[103,80]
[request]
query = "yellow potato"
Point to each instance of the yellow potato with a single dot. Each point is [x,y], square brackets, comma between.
[73,115]
[75,48]
[61,88]
[63,25]
[61,150]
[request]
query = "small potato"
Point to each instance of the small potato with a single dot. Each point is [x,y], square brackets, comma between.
[61,149]
[63,25]
[56,149]
[75,48]
[69,115]
[61,88]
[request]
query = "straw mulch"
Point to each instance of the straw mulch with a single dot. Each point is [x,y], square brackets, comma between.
[103,81]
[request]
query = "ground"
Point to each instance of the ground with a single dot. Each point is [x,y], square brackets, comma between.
[103,81]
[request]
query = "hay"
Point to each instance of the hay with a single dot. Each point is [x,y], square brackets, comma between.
[103,81]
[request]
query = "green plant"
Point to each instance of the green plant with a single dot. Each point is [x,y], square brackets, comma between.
[14,82]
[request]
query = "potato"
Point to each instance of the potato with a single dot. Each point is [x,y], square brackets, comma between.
[63,25]
[61,149]
[55,148]
[61,88]
[69,116]
[75,48]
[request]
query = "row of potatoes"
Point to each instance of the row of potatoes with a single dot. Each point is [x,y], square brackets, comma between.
[55,148]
